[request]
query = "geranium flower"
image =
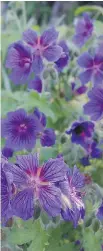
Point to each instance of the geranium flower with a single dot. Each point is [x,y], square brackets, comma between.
[94,108]
[36,84]
[35,183]
[43,47]
[81,131]
[73,205]
[92,151]
[19,60]
[7,152]
[83,30]
[64,59]
[93,68]
[78,91]
[47,135]
[20,130]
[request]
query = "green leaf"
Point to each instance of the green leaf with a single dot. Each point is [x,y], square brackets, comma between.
[88,8]
[90,240]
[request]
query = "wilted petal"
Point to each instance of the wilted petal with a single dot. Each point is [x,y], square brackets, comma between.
[50,199]
[30,37]
[48,137]
[49,36]
[23,205]
[52,53]
[85,76]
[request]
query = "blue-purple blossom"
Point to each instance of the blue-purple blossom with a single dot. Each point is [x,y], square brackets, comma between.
[94,108]
[99,213]
[78,91]
[64,59]
[80,131]
[92,151]
[35,183]
[36,84]
[19,60]
[43,47]
[7,152]
[92,68]
[47,135]
[83,30]
[20,130]
[73,205]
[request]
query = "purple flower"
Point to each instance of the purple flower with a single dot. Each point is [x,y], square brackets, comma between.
[92,151]
[43,47]
[73,206]
[83,30]
[19,60]
[36,84]
[93,68]
[20,129]
[64,59]
[7,152]
[81,131]
[6,192]
[47,135]
[78,91]
[94,107]
[35,183]
[99,213]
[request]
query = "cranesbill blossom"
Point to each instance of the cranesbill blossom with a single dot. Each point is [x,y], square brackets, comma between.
[81,131]
[19,60]
[20,130]
[64,59]
[35,183]
[73,205]
[78,91]
[99,213]
[94,108]
[92,151]
[47,135]
[83,30]
[43,47]
[92,65]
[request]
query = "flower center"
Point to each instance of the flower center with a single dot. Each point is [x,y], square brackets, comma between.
[79,130]
[22,128]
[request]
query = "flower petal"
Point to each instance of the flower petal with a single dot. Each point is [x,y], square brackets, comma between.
[19,177]
[85,76]
[48,137]
[98,78]
[22,204]
[28,162]
[30,37]
[52,53]
[78,179]
[85,60]
[54,170]
[36,84]
[49,197]
[49,36]
[37,65]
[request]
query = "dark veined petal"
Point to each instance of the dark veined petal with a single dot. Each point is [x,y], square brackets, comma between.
[54,170]
[48,137]
[23,204]
[50,200]
[28,162]
[30,37]
[49,36]
[5,193]
[52,53]
[77,179]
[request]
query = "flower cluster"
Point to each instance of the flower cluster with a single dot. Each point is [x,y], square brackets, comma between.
[21,130]
[83,30]
[53,185]
[32,54]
